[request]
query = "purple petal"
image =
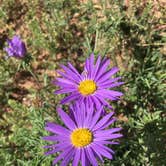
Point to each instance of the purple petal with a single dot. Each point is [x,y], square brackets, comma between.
[66,90]
[52,127]
[70,98]
[56,138]
[67,158]
[77,116]
[107,75]
[96,68]
[68,77]
[100,97]
[95,118]
[74,70]
[88,120]
[97,102]
[108,82]
[91,65]
[66,119]
[70,72]
[110,137]
[83,158]
[76,157]
[63,154]
[102,151]
[110,94]
[102,94]
[91,156]
[57,148]
[108,123]
[86,67]
[115,84]
[102,69]
[50,138]
[63,84]
[106,148]
[107,142]
[102,133]
[102,121]
[97,154]
[62,80]
[114,93]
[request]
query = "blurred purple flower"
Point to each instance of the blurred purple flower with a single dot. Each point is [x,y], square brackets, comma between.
[16,47]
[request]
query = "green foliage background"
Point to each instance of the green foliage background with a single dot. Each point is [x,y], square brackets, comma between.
[131,33]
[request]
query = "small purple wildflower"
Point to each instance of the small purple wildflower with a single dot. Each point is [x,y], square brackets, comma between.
[85,137]
[16,47]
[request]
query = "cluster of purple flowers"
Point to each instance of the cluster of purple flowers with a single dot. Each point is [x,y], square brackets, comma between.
[86,135]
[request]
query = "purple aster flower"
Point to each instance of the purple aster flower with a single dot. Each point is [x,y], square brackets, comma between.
[84,139]
[16,47]
[92,86]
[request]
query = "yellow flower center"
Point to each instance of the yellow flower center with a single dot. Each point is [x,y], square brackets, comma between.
[81,137]
[87,87]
